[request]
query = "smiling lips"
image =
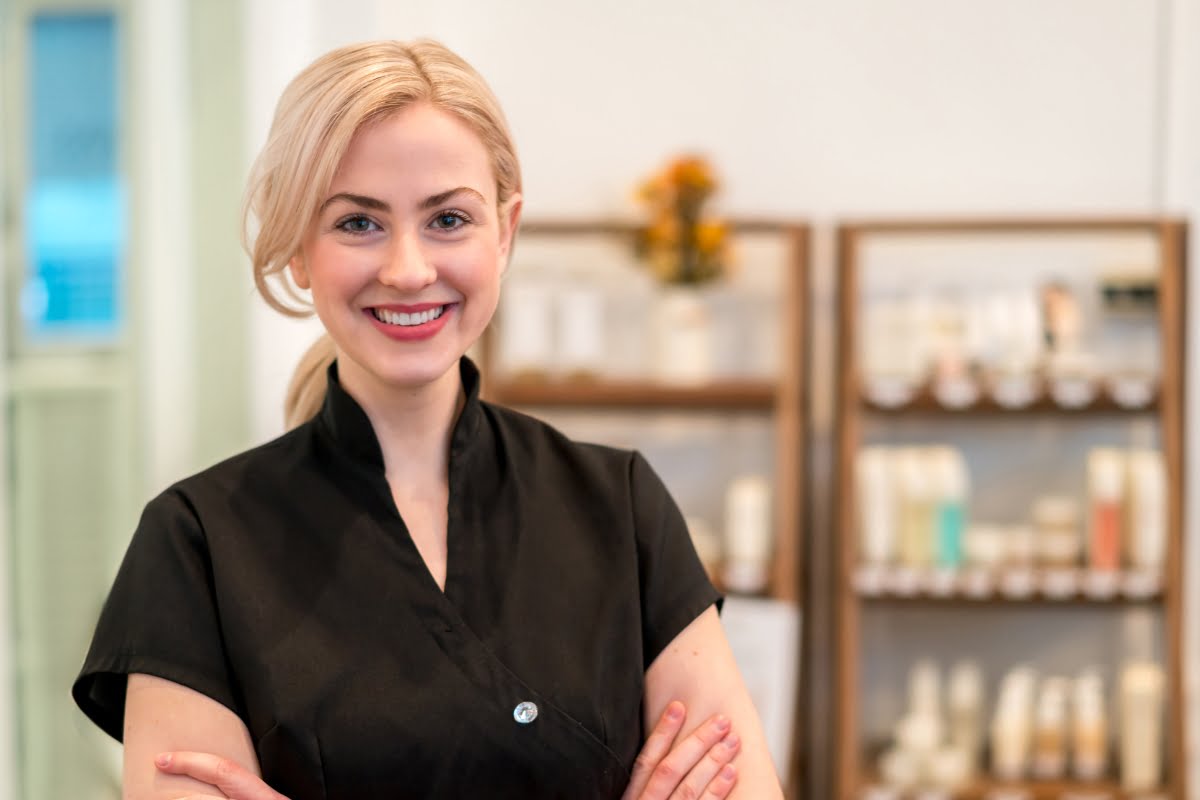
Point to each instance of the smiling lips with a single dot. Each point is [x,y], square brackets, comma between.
[410,323]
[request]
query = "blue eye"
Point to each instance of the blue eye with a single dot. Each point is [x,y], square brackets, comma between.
[450,220]
[357,224]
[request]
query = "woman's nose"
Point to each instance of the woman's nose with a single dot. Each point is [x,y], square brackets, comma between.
[407,266]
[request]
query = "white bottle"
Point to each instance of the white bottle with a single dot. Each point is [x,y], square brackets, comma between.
[1089,745]
[921,731]
[876,506]
[1141,727]
[748,536]
[1146,541]
[1011,731]
[581,333]
[965,712]
[925,689]
[527,321]
[1050,731]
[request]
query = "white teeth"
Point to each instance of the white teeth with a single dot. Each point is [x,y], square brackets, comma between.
[400,318]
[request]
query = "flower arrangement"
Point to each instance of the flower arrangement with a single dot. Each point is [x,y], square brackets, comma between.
[680,244]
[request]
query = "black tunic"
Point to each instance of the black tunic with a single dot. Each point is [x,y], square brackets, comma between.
[283,584]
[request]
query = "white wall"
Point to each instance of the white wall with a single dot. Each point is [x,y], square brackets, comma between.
[159,151]
[819,110]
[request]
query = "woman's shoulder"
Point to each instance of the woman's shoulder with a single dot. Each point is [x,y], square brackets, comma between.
[262,466]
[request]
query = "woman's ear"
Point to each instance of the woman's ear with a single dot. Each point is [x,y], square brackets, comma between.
[510,218]
[298,270]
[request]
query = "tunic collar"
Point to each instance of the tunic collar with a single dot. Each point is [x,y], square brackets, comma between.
[348,426]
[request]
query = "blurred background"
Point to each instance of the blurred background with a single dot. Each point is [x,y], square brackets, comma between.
[891,189]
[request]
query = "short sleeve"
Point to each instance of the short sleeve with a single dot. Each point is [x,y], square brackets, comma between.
[674,587]
[160,617]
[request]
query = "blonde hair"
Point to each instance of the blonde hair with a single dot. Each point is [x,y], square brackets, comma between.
[317,116]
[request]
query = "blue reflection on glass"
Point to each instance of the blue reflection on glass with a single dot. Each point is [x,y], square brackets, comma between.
[75,203]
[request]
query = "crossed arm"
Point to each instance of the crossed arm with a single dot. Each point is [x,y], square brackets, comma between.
[182,745]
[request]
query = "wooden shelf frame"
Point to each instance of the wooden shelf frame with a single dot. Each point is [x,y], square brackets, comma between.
[924,404]
[1046,790]
[1171,235]
[587,393]
[785,398]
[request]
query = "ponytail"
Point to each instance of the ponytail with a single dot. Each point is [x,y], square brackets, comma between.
[306,392]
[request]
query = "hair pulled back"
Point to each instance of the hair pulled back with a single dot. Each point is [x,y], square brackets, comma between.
[318,114]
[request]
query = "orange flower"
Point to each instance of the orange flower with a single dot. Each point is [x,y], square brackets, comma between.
[679,244]
[710,237]
[692,173]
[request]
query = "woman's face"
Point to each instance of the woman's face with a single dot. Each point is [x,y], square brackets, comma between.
[405,253]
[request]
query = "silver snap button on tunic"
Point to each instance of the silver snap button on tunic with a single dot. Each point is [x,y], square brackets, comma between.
[525,713]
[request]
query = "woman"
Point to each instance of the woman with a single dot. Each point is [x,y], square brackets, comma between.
[412,593]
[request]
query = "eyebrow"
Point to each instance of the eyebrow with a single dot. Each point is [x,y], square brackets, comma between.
[437,199]
[376,204]
[358,200]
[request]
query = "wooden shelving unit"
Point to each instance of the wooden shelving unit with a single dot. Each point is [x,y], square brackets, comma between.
[781,398]
[857,416]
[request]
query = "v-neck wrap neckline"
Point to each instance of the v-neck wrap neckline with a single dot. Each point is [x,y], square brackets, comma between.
[348,428]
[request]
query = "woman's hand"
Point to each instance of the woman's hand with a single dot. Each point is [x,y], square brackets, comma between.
[233,781]
[697,768]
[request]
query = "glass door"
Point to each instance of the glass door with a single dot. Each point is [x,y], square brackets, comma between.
[70,450]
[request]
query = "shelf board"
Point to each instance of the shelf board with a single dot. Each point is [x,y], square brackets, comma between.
[1046,790]
[925,404]
[1023,587]
[1036,599]
[721,395]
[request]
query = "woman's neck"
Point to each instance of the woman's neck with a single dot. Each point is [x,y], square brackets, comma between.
[413,426]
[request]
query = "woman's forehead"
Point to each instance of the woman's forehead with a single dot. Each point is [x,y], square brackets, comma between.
[419,144]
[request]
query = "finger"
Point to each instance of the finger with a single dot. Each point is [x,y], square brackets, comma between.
[656,748]
[672,770]
[226,775]
[709,768]
[720,786]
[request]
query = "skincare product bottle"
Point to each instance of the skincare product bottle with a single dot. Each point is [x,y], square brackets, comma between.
[1089,746]
[581,334]
[1141,727]
[1021,546]
[1056,522]
[916,508]
[925,689]
[901,770]
[952,487]
[684,337]
[526,341]
[921,731]
[1106,489]
[1012,725]
[985,546]
[1146,542]
[876,506]
[949,770]
[1050,730]
[747,534]
[707,544]
[965,712]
